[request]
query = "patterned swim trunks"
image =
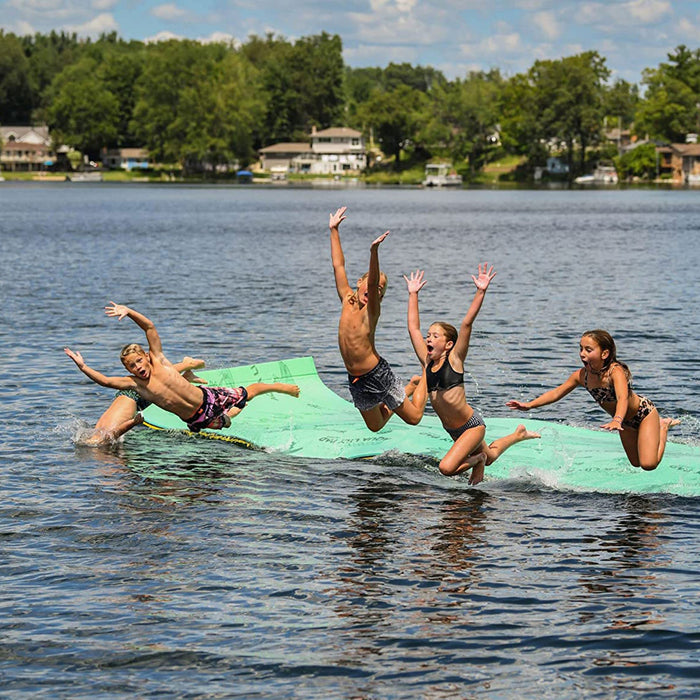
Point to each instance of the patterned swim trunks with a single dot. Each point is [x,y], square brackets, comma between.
[141,403]
[216,401]
[379,385]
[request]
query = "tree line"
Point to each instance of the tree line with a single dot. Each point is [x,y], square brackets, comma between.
[207,104]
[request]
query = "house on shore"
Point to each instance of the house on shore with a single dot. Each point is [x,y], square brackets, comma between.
[25,148]
[334,151]
[125,158]
[680,161]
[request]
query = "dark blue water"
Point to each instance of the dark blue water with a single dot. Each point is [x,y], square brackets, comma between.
[174,567]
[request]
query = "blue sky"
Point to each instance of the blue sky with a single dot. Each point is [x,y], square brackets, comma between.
[455,36]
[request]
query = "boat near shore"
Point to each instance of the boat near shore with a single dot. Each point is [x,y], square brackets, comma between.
[84,177]
[441,175]
[604,174]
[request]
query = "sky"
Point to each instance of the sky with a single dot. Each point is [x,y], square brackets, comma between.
[454,36]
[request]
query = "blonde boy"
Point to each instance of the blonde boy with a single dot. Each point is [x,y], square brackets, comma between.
[156,380]
[376,391]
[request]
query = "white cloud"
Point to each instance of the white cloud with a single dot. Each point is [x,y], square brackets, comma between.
[547,23]
[392,26]
[220,38]
[374,55]
[103,4]
[104,22]
[611,17]
[648,11]
[493,45]
[168,11]
[162,36]
[689,30]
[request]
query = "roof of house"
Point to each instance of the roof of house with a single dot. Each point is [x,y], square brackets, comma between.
[25,134]
[683,149]
[336,131]
[293,147]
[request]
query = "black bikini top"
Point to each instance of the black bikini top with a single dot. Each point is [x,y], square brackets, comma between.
[445,377]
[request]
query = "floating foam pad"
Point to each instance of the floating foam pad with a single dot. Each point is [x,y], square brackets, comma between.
[321,424]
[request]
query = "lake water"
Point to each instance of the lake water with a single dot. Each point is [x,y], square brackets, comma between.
[171,567]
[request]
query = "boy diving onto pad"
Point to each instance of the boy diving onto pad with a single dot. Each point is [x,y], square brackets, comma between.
[376,391]
[156,380]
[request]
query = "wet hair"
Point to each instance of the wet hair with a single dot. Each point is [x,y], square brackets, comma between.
[130,349]
[448,329]
[381,274]
[605,342]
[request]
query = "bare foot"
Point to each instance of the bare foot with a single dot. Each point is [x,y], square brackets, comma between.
[411,386]
[667,423]
[478,462]
[289,389]
[522,433]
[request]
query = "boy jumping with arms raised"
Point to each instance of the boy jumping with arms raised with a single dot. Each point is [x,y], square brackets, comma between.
[156,380]
[376,391]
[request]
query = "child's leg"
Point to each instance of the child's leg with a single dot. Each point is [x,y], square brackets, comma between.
[376,418]
[411,410]
[119,418]
[125,427]
[666,423]
[258,388]
[460,456]
[650,442]
[499,446]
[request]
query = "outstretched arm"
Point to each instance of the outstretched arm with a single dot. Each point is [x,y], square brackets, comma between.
[373,296]
[415,283]
[550,396]
[145,324]
[98,377]
[337,256]
[486,274]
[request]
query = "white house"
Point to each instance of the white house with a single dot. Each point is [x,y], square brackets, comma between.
[25,148]
[279,156]
[334,151]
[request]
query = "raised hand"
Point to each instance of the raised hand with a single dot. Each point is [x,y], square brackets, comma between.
[377,241]
[335,219]
[415,282]
[75,356]
[486,274]
[118,310]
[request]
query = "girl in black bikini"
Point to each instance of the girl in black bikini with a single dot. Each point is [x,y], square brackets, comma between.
[442,352]
[608,381]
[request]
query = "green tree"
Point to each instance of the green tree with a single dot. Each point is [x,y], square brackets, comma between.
[568,101]
[640,162]
[119,72]
[463,118]
[395,117]
[48,55]
[82,111]
[203,114]
[422,78]
[670,108]
[16,94]
[620,101]
[318,78]
[302,82]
